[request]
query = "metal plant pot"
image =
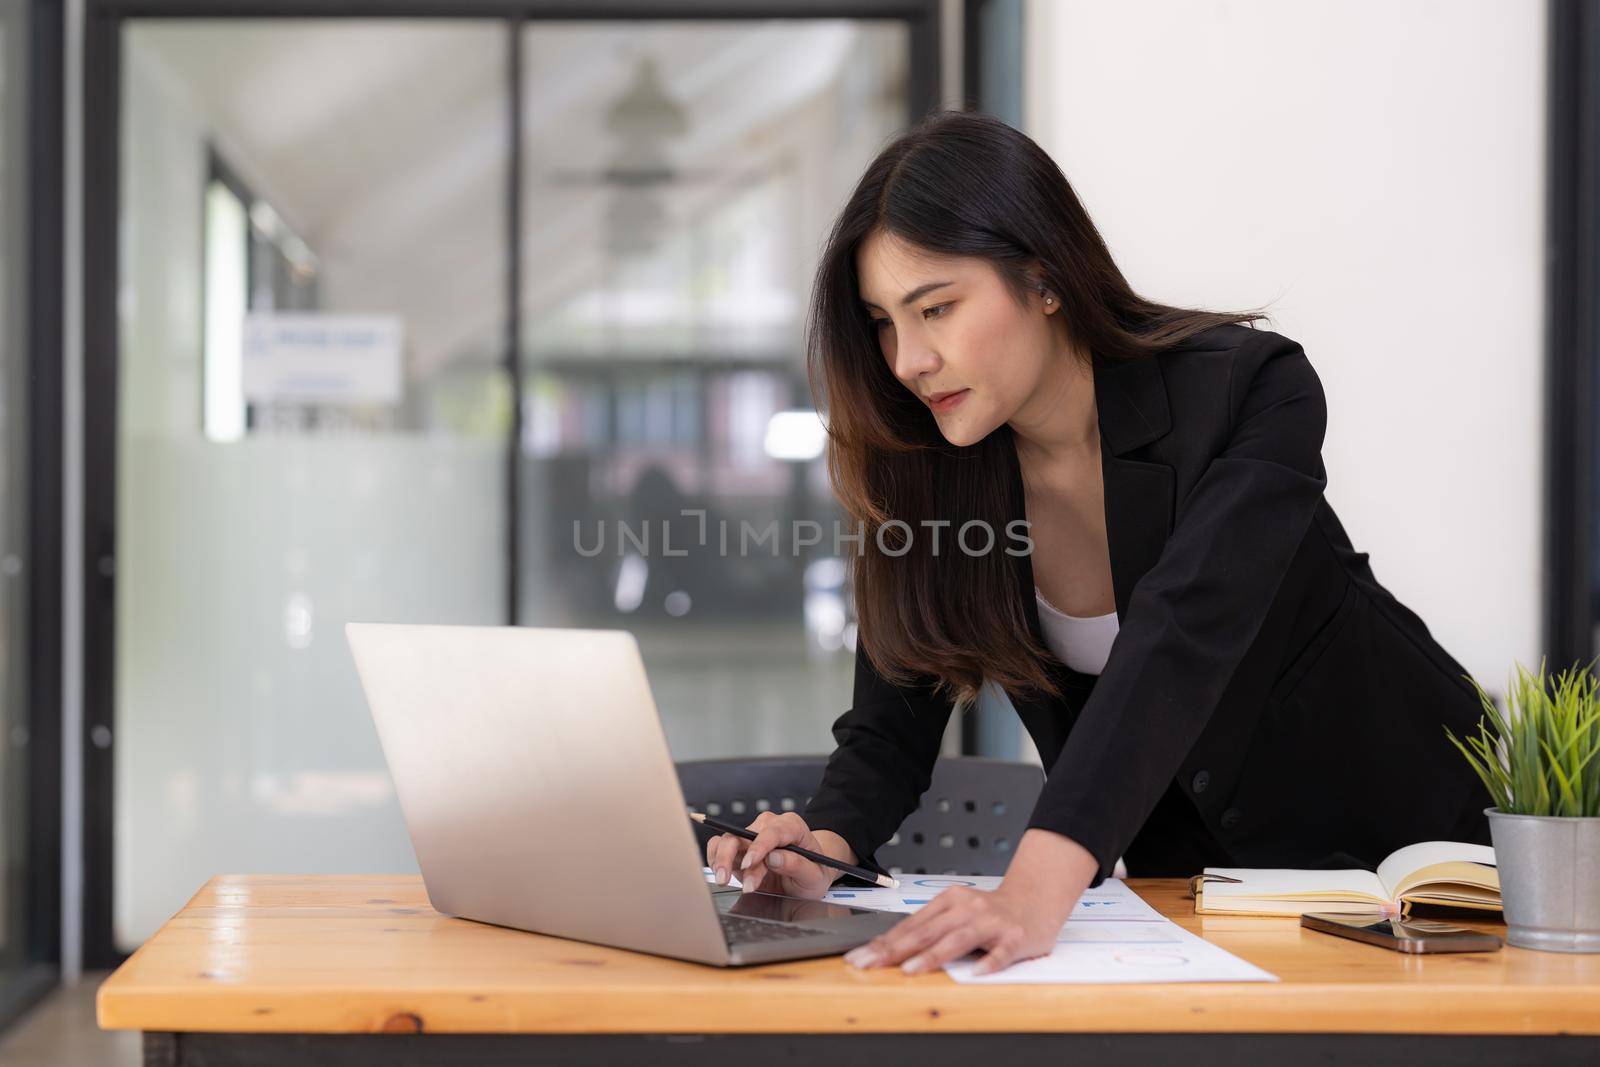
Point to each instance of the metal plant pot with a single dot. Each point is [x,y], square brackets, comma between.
[1549,880]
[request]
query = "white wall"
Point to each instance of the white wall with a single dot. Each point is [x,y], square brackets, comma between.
[1374,171]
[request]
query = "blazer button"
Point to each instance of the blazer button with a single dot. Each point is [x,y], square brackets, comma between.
[1201,780]
[1230,818]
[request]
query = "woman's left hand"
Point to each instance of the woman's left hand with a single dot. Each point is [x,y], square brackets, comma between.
[1019,920]
[1008,924]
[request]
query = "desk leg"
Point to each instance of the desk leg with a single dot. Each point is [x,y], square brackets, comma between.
[862,1050]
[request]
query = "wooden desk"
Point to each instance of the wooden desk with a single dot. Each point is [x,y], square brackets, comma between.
[359,969]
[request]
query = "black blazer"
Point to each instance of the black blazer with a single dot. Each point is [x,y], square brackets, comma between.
[1266,703]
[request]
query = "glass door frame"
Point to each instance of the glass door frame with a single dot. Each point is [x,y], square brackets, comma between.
[42,636]
[1571,609]
[102,182]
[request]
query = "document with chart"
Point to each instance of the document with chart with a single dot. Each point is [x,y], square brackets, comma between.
[1113,935]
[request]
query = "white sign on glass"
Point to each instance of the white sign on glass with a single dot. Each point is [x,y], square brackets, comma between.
[310,357]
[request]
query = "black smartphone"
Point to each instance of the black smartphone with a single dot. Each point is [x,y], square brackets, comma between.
[1402,935]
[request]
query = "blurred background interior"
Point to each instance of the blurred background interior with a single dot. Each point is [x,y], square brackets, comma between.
[309,318]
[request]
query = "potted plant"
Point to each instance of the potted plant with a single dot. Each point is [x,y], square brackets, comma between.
[1540,760]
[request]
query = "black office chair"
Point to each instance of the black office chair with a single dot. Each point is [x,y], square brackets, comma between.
[969,821]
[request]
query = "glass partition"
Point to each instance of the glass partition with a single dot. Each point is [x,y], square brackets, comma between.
[678,180]
[313,416]
[316,412]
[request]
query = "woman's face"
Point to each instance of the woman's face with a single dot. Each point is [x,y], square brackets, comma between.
[948,325]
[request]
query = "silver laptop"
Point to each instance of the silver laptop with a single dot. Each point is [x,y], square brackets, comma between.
[538,790]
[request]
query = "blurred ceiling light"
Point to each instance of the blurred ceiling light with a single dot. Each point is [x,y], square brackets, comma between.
[795,435]
[644,110]
[643,118]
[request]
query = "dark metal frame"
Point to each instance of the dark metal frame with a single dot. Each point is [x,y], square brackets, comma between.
[865,1050]
[513,526]
[977,16]
[978,728]
[1572,347]
[42,948]
[101,148]
[102,157]
[40,951]
[44,503]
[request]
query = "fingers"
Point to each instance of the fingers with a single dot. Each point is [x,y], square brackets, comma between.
[1003,953]
[772,831]
[957,922]
[722,854]
[907,939]
[891,945]
[727,854]
[724,850]
[954,945]
[800,877]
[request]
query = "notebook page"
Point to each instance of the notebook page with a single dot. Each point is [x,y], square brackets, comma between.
[1403,861]
[1285,882]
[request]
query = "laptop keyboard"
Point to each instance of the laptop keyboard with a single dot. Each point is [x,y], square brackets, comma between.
[742,930]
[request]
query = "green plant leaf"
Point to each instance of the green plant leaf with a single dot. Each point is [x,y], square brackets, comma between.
[1540,755]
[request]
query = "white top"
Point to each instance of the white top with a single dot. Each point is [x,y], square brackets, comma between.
[1084,644]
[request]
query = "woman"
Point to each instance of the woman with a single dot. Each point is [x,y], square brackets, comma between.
[1211,673]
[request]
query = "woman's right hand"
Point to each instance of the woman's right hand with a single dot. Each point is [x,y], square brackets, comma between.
[772,871]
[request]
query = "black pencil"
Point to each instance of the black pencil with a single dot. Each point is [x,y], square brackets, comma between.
[815,857]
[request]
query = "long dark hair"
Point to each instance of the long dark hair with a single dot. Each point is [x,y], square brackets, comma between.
[961,184]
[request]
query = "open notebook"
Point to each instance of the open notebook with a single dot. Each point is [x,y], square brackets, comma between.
[1432,872]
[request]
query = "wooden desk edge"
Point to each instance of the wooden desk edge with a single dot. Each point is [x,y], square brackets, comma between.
[882,1002]
[1289,1010]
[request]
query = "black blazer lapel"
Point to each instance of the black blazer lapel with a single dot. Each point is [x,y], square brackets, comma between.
[1138,519]
[1131,400]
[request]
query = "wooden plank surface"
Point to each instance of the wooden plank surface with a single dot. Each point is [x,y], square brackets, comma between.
[362,954]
